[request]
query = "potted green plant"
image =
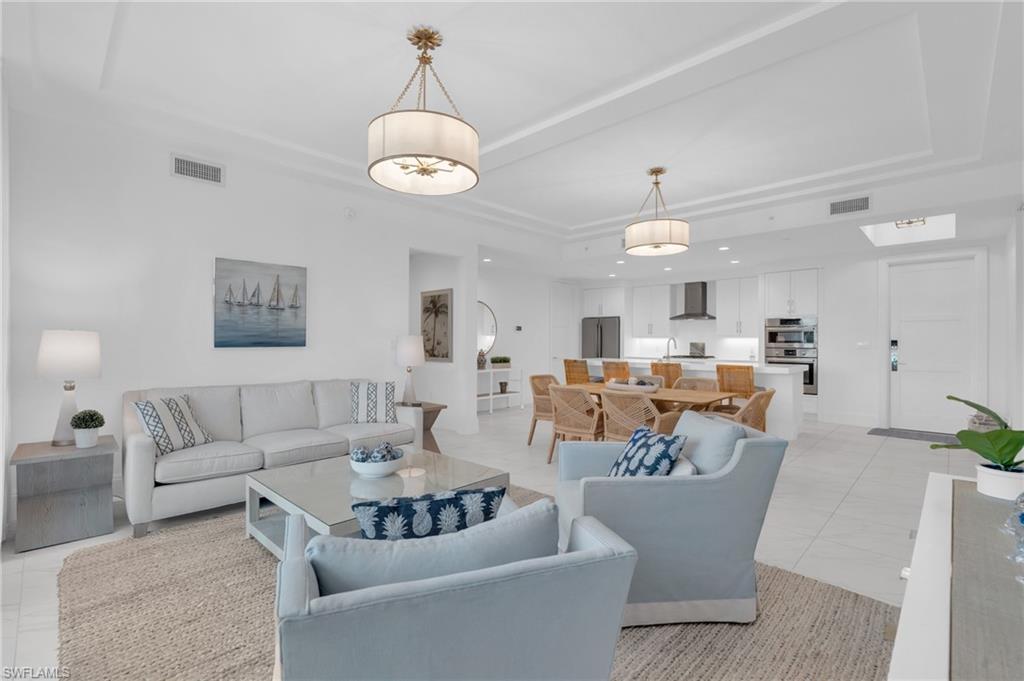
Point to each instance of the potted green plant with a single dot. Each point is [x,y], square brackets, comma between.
[1003,476]
[500,362]
[87,424]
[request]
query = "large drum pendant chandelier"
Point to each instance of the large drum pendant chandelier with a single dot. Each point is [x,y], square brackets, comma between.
[660,234]
[419,151]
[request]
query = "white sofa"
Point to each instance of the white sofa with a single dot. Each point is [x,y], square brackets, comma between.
[253,427]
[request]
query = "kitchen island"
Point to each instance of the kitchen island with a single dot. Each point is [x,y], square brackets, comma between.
[784,413]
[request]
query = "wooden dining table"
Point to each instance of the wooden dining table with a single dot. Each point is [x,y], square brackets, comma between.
[701,399]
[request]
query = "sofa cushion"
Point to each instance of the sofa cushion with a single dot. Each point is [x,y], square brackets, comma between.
[346,564]
[428,514]
[277,406]
[171,424]
[709,443]
[213,460]
[682,467]
[333,402]
[373,402]
[217,408]
[647,453]
[370,435]
[288,447]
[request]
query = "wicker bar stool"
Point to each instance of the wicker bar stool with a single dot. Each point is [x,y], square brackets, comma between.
[577,416]
[615,371]
[735,378]
[670,371]
[576,371]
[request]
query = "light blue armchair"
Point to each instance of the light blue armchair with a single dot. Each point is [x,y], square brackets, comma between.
[552,617]
[694,535]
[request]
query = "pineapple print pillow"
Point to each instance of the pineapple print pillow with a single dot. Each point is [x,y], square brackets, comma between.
[647,453]
[427,515]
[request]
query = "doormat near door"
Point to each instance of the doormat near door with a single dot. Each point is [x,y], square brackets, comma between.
[922,435]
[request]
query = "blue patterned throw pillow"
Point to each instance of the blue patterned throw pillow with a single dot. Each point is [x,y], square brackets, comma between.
[171,424]
[647,453]
[428,514]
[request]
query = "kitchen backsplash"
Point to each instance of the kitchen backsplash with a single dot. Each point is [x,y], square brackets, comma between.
[687,331]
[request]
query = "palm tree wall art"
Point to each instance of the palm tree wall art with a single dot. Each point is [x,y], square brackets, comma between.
[436,324]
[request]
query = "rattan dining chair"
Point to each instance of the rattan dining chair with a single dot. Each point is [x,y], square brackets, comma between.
[703,384]
[576,371]
[625,411]
[542,409]
[577,416]
[615,371]
[754,412]
[670,371]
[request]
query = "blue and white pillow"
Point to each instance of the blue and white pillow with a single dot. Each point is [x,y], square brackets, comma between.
[647,453]
[427,515]
[373,402]
[171,424]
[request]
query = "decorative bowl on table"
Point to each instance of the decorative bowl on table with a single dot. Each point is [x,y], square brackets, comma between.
[381,461]
[638,387]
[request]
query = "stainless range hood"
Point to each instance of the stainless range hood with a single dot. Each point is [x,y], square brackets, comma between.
[691,301]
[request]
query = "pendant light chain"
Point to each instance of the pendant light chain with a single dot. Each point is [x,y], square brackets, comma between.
[420,73]
[656,191]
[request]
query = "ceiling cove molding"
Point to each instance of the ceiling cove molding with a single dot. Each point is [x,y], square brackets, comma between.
[655,78]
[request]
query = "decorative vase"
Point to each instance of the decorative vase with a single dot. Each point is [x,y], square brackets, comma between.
[503,386]
[995,482]
[86,437]
[481,360]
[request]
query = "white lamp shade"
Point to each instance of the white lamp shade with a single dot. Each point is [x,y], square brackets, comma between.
[409,352]
[423,152]
[69,355]
[662,236]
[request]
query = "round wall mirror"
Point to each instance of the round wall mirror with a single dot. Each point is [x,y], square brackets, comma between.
[486,327]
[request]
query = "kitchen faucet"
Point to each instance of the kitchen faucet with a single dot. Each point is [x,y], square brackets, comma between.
[668,349]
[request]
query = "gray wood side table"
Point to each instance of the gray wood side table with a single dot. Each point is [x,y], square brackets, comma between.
[64,493]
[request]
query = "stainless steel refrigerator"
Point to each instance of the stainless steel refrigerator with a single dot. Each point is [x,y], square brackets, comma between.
[600,337]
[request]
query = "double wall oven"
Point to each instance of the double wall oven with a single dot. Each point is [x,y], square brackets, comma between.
[794,341]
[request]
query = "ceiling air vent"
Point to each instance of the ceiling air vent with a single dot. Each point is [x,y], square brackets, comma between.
[197,170]
[855,205]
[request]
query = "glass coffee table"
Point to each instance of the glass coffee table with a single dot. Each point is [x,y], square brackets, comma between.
[325,490]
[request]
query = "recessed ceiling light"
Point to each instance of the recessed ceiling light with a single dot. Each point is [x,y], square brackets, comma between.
[723,248]
[487,259]
[620,262]
[611,275]
[668,269]
[734,262]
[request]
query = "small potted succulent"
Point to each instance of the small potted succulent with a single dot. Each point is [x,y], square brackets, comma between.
[87,424]
[500,362]
[1003,476]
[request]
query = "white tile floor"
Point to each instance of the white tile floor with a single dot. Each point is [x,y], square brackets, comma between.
[843,511]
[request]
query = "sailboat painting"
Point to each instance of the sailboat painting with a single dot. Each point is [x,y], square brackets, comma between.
[246,317]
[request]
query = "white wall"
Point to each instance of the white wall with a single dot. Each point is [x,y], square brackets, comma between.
[102,237]
[523,300]
[450,383]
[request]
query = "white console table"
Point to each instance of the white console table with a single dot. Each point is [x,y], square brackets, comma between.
[962,611]
[487,390]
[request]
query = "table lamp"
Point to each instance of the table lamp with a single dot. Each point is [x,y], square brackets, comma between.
[68,356]
[409,354]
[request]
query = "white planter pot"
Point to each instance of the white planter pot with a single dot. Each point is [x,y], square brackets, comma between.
[86,437]
[1000,484]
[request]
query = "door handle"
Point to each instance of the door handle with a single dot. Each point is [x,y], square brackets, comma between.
[894,355]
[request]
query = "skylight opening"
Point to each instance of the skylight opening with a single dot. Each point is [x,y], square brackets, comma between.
[913,230]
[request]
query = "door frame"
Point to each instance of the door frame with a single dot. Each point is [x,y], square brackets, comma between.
[979,359]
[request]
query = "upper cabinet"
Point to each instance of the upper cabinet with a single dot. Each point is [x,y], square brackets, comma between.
[791,294]
[604,302]
[651,309]
[736,303]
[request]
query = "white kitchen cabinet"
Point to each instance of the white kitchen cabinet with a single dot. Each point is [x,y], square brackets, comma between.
[804,292]
[737,307]
[651,310]
[604,302]
[791,294]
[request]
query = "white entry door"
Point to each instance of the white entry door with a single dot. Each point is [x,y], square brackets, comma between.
[565,328]
[935,318]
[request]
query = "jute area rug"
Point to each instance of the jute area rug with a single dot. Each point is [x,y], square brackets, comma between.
[197,602]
